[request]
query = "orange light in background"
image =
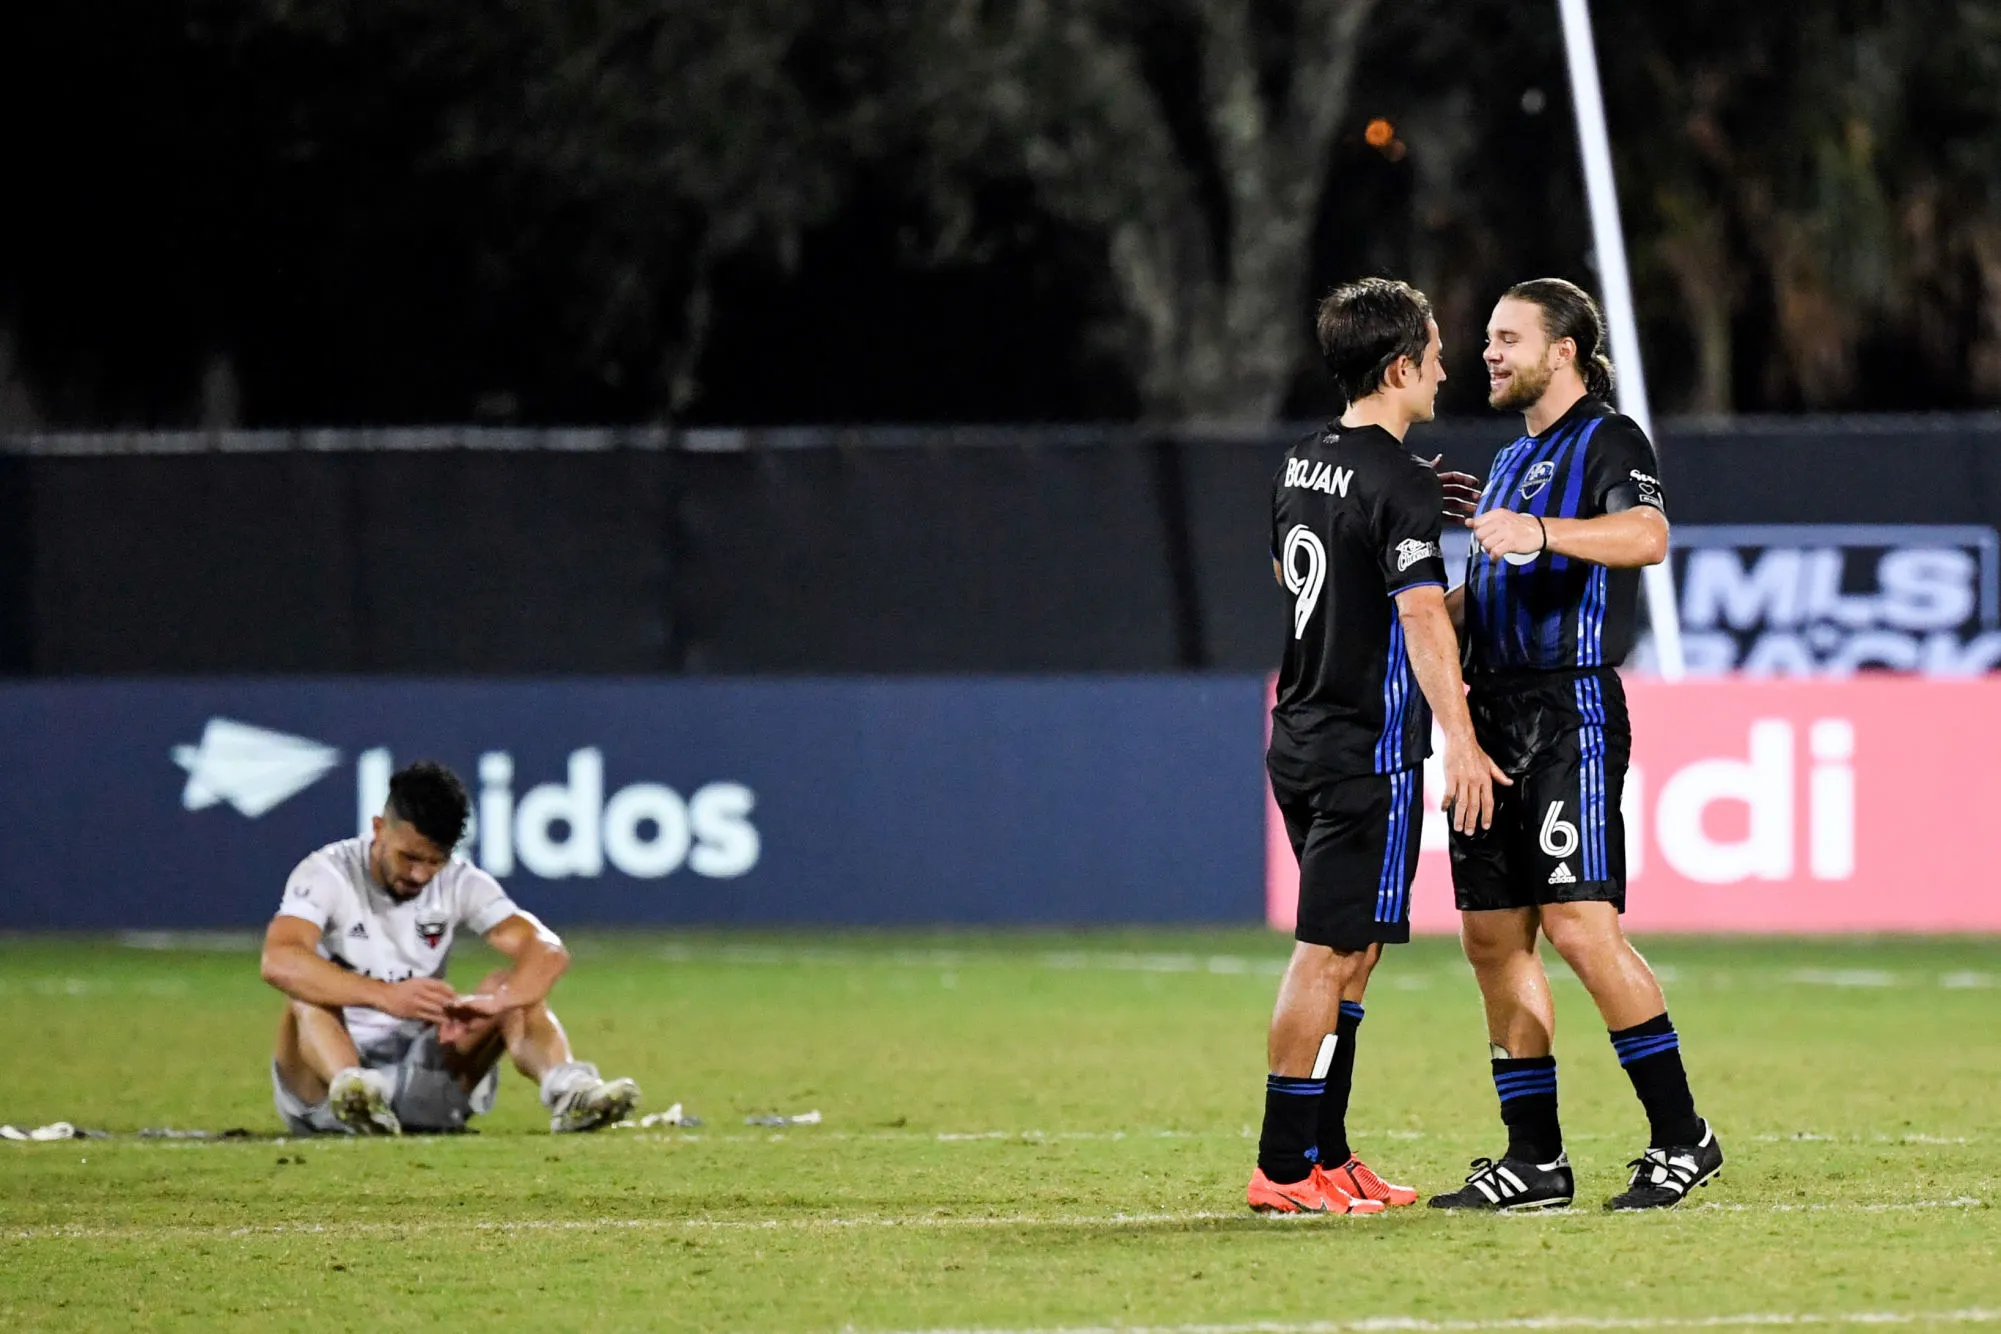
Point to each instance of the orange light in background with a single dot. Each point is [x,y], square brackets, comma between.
[1379,133]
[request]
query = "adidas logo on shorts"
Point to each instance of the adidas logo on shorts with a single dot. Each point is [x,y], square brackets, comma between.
[1561,875]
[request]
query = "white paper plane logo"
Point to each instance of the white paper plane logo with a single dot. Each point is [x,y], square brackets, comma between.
[251,768]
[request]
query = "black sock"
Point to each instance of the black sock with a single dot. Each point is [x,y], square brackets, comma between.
[1333,1138]
[1286,1150]
[1528,1108]
[1651,1053]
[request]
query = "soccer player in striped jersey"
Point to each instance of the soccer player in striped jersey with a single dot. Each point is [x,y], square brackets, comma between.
[1354,541]
[1569,514]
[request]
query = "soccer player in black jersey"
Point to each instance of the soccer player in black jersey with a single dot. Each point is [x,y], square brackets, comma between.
[1570,513]
[1354,540]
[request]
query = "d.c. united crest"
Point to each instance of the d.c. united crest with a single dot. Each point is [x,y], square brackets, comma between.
[432,932]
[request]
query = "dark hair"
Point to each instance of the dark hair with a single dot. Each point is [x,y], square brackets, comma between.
[1569,312]
[430,798]
[1364,326]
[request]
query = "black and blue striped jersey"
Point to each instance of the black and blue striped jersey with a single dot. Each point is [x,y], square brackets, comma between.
[1355,521]
[1552,613]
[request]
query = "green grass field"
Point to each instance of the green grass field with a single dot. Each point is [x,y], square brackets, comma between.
[1020,1132]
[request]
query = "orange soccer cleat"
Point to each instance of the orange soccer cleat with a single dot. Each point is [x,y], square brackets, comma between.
[1318,1194]
[1353,1178]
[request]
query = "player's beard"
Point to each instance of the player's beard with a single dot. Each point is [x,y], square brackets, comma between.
[382,878]
[1524,387]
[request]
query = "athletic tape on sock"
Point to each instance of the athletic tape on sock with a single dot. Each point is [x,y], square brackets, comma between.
[1325,1060]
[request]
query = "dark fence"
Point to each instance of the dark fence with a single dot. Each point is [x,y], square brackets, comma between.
[908,551]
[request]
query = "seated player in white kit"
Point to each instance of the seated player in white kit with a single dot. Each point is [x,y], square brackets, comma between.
[374,1041]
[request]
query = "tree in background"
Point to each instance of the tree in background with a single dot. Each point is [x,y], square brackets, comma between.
[426,210]
[1817,184]
[1194,137]
[628,146]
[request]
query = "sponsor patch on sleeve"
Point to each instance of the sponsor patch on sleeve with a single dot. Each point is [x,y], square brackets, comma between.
[1410,551]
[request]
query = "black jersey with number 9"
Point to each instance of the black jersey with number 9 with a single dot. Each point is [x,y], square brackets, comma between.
[1355,521]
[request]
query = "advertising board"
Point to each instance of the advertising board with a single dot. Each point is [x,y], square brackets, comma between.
[1754,805]
[1019,800]
[1767,806]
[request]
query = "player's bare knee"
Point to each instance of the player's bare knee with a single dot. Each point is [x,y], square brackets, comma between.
[1584,942]
[1492,951]
[1325,963]
[1363,965]
[307,1012]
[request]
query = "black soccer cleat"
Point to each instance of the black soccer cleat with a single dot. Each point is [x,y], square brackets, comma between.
[1662,1178]
[1513,1184]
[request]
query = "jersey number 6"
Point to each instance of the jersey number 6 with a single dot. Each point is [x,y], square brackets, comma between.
[1559,836]
[1305,585]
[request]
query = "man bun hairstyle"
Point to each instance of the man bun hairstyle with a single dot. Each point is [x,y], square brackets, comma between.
[430,799]
[1364,326]
[1569,312]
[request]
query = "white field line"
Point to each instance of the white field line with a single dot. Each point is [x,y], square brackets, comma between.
[1842,977]
[1397,1324]
[819,1135]
[1220,965]
[214,942]
[915,1222]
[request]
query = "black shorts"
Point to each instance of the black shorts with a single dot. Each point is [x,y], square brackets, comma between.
[1557,835]
[1356,840]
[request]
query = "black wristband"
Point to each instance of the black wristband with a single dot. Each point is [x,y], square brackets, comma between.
[1545,532]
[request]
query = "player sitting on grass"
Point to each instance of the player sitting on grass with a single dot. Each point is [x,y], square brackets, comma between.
[374,1040]
[1369,654]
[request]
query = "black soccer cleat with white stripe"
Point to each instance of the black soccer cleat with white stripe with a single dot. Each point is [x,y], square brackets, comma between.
[1663,1178]
[1513,1184]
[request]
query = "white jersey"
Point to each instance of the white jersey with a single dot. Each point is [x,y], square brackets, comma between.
[366,930]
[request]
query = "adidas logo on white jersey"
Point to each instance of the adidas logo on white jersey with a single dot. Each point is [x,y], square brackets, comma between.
[357,932]
[1561,875]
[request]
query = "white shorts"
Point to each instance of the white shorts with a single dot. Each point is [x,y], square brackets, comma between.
[427,1097]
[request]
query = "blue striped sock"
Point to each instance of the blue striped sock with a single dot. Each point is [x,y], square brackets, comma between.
[1651,1054]
[1333,1137]
[1287,1084]
[1287,1147]
[1527,1089]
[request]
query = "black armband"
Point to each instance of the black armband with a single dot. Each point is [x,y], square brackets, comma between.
[1627,495]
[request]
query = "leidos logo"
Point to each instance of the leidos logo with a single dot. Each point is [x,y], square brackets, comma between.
[645,831]
[251,768]
[555,830]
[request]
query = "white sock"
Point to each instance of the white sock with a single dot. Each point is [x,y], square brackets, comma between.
[565,1079]
[382,1081]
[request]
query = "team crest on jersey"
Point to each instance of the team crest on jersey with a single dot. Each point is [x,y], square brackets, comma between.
[432,932]
[1538,478]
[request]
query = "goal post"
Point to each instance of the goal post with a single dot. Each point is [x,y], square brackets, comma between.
[1609,242]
